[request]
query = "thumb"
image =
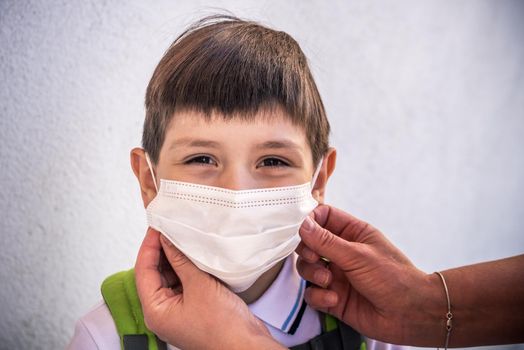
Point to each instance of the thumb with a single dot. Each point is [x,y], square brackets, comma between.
[186,271]
[327,244]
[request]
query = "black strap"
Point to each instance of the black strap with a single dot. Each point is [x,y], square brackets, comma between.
[140,342]
[135,342]
[349,337]
[160,344]
[342,338]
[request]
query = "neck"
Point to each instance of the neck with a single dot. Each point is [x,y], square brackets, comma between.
[258,288]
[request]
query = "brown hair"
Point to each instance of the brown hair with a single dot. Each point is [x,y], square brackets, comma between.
[234,67]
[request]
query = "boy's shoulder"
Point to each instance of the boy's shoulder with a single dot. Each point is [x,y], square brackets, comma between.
[95,330]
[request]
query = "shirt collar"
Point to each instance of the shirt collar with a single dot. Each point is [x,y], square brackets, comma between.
[280,304]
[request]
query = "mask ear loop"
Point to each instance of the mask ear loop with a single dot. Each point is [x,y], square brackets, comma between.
[315,176]
[317,171]
[151,170]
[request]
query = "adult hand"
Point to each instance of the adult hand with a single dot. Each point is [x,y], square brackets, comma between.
[187,307]
[368,283]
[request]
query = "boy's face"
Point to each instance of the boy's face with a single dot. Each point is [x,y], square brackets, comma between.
[267,151]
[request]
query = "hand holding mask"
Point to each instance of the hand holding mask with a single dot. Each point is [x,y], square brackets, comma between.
[217,317]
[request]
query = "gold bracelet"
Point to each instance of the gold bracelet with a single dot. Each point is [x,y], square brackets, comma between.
[449,315]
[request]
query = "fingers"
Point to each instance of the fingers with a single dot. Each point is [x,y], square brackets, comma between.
[186,271]
[149,279]
[326,244]
[315,273]
[307,254]
[338,221]
[169,277]
[320,299]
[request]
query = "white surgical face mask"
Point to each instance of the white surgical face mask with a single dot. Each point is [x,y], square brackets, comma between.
[234,235]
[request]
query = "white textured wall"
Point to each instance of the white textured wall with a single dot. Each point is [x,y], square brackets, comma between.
[426,100]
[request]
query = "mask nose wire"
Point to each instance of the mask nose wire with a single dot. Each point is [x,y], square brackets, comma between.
[148,160]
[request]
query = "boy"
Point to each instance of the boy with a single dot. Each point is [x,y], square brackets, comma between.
[235,154]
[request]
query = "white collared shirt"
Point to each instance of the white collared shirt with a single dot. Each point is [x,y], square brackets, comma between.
[282,308]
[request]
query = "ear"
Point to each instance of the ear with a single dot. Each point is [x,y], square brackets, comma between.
[143,174]
[326,169]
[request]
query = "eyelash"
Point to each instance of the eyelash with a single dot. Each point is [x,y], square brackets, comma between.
[280,162]
[208,160]
[201,160]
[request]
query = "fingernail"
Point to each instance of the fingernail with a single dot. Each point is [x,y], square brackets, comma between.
[321,277]
[308,225]
[308,254]
[331,298]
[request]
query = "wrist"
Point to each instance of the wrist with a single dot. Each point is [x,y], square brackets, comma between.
[427,326]
[256,342]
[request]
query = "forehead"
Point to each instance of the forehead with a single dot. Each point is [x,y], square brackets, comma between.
[263,126]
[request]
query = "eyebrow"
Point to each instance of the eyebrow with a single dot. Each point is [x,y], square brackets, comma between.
[188,142]
[272,144]
[278,144]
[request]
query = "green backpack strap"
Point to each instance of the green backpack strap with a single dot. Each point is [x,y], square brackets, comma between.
[330,323]
[120,296]
[347,333]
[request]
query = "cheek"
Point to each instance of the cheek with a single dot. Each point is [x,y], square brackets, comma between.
[283,178]
[162,172]
[195,174]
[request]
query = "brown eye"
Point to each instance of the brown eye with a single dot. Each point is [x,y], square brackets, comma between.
[273,162]
[206,160]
